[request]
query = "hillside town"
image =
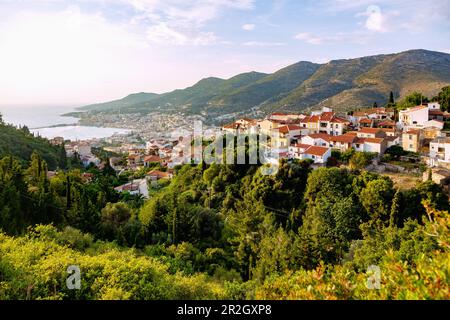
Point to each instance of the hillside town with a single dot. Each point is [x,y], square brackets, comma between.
[418,131]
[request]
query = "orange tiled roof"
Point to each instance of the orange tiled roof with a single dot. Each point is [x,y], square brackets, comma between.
[370,130]
[326,116]
[373,140]
[316,150]
[365,120]
[152,159]
[345,138]
[323,136]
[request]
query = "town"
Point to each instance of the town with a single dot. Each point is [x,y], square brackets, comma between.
[406,141]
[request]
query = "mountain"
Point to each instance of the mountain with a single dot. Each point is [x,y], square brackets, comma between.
[344,84]
[130,100]
[268,88]
[349,84]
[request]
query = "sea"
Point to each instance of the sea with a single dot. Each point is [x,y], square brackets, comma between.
[48,122]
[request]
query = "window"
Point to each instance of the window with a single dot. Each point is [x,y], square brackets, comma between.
[336,126]
[441,149]
[410,146]
[410,137]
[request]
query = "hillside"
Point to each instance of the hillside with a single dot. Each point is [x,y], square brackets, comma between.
[345,84]
[129,100]
[21,144]
[269,88]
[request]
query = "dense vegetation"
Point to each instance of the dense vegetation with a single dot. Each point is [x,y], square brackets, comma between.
[221,231]
[21,144]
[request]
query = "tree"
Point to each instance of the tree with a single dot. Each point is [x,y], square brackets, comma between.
[360,160]
[412,100]
[376,198]
[391,98]
[395,208]
[113,217]
[444,98]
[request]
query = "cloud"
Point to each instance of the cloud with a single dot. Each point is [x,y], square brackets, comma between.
[248,27]
[353,37]
[180,22]
[193,13]
[376,21]
[163,34]
[263,44]
[309,38]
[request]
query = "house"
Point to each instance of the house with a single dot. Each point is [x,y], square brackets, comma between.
[389,132]
[435,115]
[135,187]
[318,154]
[431,132]
[296,150]
[440,150]
[155,175]
[414,117]
[149,160]
[434,123]
[365,122]
[331,124]
[392,141]
[433,106]
[374,113]
[371,133]
[266,126]
[57,141]
[317,139]
[315,153]
[390,124]
[286,117]
[377,145]
[88,159]
[411,140]
[343,142]
[248,125]
[134,160]
[311,123]
[83,149]
[232,128]
[280,138]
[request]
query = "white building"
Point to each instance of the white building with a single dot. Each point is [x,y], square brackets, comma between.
[434,106]
[315,153]
[439,151]
[414,117]
[317,139]
[376,145]
[135,187]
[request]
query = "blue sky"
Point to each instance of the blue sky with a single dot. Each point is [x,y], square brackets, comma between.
[83,51]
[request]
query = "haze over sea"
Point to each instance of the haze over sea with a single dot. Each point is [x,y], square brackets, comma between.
[42,119]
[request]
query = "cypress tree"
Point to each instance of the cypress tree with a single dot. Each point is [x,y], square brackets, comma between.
[395,208]
[391,98]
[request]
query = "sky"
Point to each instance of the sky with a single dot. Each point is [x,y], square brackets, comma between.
[85,51]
